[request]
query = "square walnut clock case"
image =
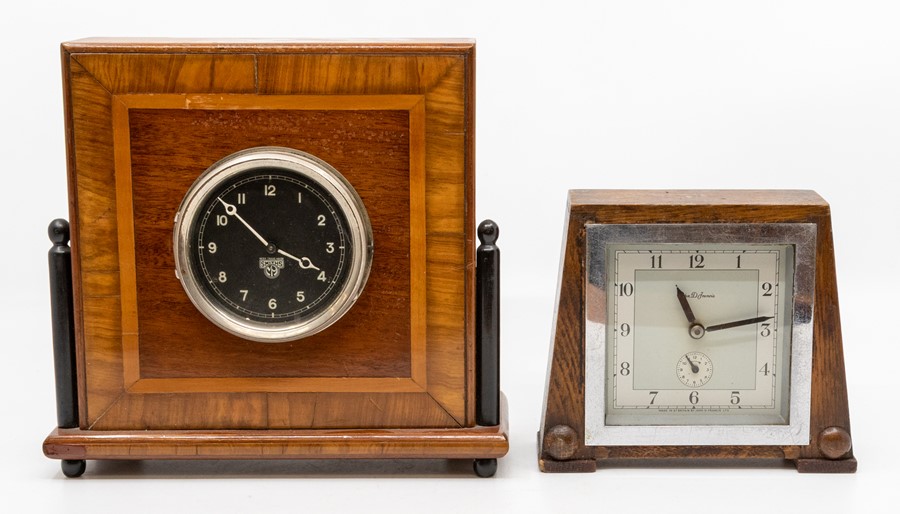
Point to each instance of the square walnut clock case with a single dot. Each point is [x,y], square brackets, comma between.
[272,254]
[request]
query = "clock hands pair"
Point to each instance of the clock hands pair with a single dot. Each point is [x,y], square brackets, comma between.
[231,210]
[697,330]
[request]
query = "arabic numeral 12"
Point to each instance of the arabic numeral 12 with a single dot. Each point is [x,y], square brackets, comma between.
[697,261]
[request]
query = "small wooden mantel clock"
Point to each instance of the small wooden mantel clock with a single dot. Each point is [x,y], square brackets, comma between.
[697,326]
[273,255]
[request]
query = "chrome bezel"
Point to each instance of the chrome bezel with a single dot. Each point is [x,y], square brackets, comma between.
[597,236]
[311,168]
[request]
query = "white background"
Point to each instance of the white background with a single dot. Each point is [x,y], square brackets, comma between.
[700,94]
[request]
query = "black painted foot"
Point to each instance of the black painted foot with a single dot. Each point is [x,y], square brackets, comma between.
[73,468]
[485,468]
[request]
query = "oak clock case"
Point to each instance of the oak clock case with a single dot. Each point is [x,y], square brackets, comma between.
[695,326]
[319,294]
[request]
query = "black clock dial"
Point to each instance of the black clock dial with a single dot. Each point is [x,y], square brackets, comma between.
[271,246]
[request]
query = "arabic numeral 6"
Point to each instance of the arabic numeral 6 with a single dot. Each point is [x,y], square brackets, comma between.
[273,304]
[694,397]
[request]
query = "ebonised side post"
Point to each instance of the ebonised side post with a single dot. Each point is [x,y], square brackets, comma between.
[487,319]
[63,324]
[487,344]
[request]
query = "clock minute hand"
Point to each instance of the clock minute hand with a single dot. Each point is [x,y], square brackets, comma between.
[740,323]
[231,210]
[685,306]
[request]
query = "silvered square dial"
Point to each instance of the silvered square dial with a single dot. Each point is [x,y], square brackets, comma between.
[698,333]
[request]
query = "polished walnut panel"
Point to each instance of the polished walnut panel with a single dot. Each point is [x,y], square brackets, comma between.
[169,146]
[561,439]
[135,338]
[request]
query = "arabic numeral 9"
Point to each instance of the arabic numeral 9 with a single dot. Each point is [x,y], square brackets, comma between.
[212,247]
[625,329]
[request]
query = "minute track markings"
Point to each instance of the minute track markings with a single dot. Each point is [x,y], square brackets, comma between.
[285,308]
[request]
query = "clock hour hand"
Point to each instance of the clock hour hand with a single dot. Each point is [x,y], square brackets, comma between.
[305,263]
[740,323]
[682,299]
[231,210]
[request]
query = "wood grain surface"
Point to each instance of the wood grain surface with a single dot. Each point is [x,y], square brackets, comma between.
[563,449]
[146,117]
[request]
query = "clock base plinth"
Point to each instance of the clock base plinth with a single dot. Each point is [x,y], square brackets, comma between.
[696,456]
[826,465]
[479,442]
[567,466]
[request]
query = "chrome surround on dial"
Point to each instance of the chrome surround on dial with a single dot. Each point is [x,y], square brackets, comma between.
[310,168]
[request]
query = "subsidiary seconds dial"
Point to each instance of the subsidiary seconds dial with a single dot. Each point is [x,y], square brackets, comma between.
[272,244]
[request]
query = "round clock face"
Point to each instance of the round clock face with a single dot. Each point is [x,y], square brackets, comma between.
[698,334]
[272,244]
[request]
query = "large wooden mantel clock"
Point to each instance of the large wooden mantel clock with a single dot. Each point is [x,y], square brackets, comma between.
[697,326]
[273,255]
